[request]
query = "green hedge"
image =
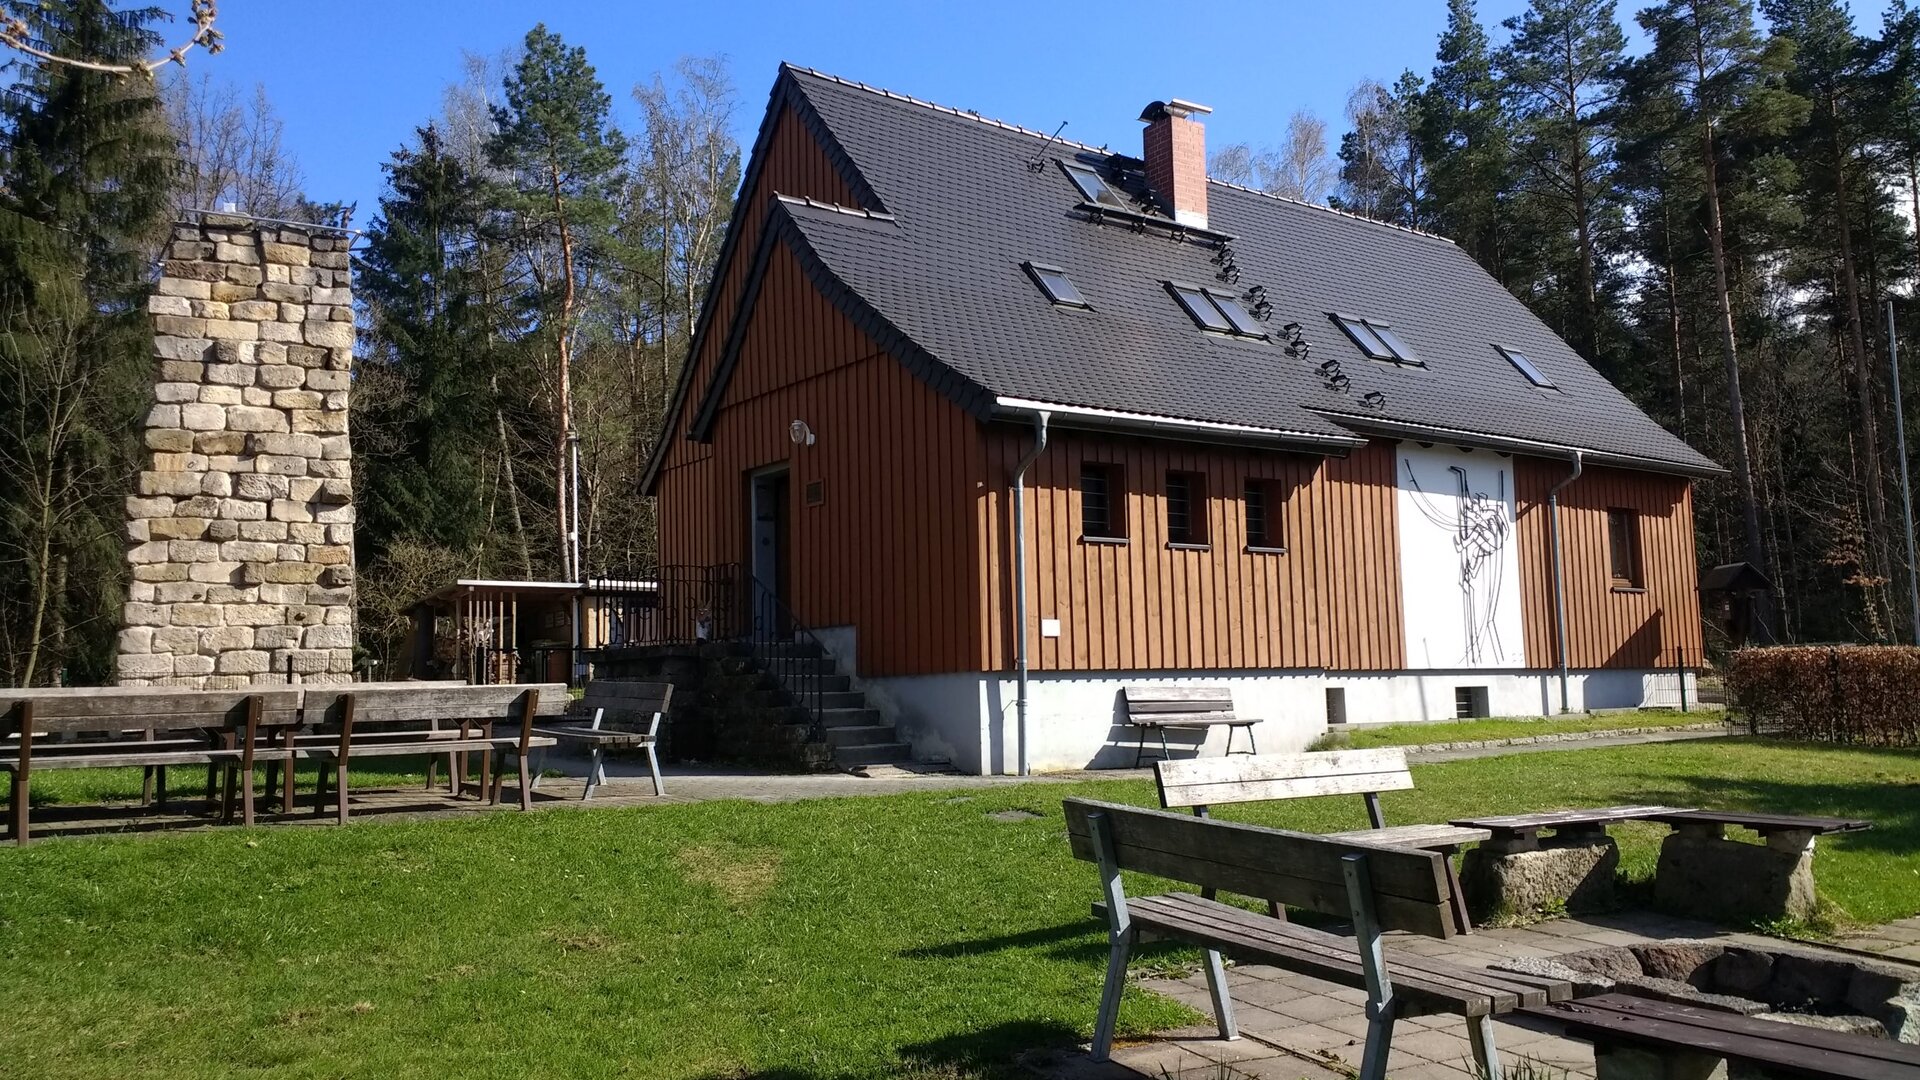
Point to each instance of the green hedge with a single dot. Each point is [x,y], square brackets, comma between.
[1830,693]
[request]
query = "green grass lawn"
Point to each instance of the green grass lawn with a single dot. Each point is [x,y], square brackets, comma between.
[1426,734]
[846,937]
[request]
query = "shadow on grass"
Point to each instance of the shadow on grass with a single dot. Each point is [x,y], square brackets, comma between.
[991,1053]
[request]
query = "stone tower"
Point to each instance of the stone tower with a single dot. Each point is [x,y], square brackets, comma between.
[241,528]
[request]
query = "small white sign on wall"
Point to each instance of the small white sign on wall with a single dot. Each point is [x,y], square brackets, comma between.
[1459,558]
[1049,628]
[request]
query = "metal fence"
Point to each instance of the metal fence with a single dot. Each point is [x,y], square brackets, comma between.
[1675,682]
[789,652]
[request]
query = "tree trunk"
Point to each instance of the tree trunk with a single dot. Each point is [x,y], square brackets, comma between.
[1876,505]
[1673,313]
[564,353]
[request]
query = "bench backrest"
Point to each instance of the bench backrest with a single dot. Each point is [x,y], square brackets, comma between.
[1173,704]
[117,710]
[627,705]
[1409,888]
[391,704]
[1258,778]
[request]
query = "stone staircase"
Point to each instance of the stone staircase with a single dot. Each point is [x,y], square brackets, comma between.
[853,731]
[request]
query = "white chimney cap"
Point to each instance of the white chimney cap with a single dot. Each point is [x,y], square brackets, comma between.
[1182,107]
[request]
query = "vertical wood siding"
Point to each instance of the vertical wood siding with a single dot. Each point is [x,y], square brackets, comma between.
[889,549]
[1332,600]
[1608,627]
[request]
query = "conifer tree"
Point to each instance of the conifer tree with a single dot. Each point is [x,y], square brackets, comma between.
[1465,142]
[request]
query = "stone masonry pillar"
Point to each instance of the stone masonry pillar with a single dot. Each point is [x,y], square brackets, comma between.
[241,527]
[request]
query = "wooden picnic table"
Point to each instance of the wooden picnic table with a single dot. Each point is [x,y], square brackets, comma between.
[1521,832]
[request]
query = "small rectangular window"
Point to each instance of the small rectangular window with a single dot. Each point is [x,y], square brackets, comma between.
[1092,187]
[1527,367]
[1201,309]
[1470,702]
[1102,502]
[1186,508]
[1243,322]
[1262,502]
[1054,282]
[1623,548]
[1377,340]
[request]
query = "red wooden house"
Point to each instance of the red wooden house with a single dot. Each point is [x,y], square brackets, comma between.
[1258,444]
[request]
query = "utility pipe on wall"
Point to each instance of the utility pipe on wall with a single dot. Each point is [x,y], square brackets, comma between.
[1559,583]
[1020,579]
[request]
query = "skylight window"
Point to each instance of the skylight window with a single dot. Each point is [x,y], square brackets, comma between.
[1092,187]
[1526,366]
[1377,340]
[1059,288]
[1216,311]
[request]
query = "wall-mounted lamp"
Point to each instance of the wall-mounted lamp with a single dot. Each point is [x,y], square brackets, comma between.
[800,433]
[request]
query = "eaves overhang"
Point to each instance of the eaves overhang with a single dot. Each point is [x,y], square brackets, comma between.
[1382,426]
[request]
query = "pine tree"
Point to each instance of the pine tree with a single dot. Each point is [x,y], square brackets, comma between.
[85,172]
[1465,142]
[555,141]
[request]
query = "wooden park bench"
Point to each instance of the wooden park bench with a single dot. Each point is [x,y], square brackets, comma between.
[405,721]
[1367,773]
[1379,887]
[1183,708]
[614,713]
[1636,1037]
[141,727]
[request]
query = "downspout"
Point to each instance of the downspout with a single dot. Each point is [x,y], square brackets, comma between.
[1559,582]
[1020,579]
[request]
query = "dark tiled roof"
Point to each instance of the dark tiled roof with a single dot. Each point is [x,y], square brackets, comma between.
[967,211]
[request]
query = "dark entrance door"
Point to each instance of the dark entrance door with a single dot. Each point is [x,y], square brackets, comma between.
[769,559]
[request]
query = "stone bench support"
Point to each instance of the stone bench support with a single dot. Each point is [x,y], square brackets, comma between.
[1615,1062]
[1518,875]
[1705,875]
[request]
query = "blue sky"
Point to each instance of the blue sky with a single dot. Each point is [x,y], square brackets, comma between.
[352,78]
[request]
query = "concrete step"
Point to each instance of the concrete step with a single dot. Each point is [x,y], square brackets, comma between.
[849,717]
[889,753]
[807,649]
[826,684]
[862,735]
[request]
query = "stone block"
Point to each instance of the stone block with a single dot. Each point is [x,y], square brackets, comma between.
[277,637]
[302,488]
[193,665]
[232,374]
[334,515]
[220,442]
[221,395]
[193,463]
[183,592]
[277,273]
[255,418]
[336,260]
[285,293]
[191,288]
[281,464]
[289,510]
[192,551]
[336,447]
[293,313]
[293,553]
[133,614]
[184,370]
[221,639]
[169,440]
[283,332]
[262,486]
[306,532]
[330,470]
[340,534]
[242,275]
[326,597]
[241,662]
[255,396]
[249,551]
[190,248]
[255,310]
[214,573]
[232,330]
[256,615]
[288,573]
[227,682]
[138,507]
[327,637]
[340,359]
[228,292]
[1576,872]
[340,615]
[136,639]
[174,393]
[343,297]
[270,352]
[243,254]
[281,376]
[334,493]
[306,356]
[319,422]
[1619,1061]
[330,555]
[337,577]
[198,615]
[267,531]
[137,531]
[176,639]
[152,483]
[177,528]
[1731,881]
[143,667]
[159,571]
[203,417]
[211,310]
[325,335]
[219,485]
[142,592]
[220,530]
[180,326]
[163,416]
[169,305]
[298,399]
[307,615]
[308,275]
[291,254]
[325,380]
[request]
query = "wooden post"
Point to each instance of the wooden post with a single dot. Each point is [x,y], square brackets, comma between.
[529,704]
[22,774]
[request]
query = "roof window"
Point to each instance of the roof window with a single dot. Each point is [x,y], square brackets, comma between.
[1377,340]
[1216,311]
[1054,282]
[1092,187]
[1526,366]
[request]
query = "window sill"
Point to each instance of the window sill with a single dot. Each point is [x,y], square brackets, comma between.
[1189,547]
[1624,587]
[1252,550]
[1103,540]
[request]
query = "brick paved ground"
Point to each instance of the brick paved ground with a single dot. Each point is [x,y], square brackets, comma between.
[1297,1028]
[1900,940]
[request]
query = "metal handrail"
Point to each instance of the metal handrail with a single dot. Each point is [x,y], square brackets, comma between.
[797,667]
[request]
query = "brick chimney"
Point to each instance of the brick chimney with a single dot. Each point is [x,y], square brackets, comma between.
[1176,154]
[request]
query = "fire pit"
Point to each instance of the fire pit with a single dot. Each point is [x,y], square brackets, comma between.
[1836,991]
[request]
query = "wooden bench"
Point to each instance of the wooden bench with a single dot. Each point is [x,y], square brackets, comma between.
[1639,1038]
[614,713]
[1367,773]
[1378,887]
[401,721]
[140,727]
[1184,708]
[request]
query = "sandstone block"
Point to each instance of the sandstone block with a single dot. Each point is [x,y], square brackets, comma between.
[193,665]
[333,515]
[320,594]
[200,271]
[340,615]
[289,510]
[248,551]
[221,395]
[138,532]
[198,615]
[329,555]
[306,532]
[286,573]
[270,352]
[1773,884]
[163,416]
[173,393]
[319,422]
[282,465]
[220,530]
[189,288]
[255,310]
[176,639]
[327,637]
[343,297]
[243,509]
[169,305]
[340,359]
[190,249]
[217,484]
[231,374]
[260,486]
[340,534]
[293,553]
[336,448]
[213,573]
[281,376]
[307,615]
[169,440]
[277,637]
[243,275]
[228,292]
[164,483]
[284,443]
[192,551]
[142,592]
[221,639]
[238,331]
[306,356]
[236,253]
[138,507]
[303,488]
[227,682]
[298,399]
[136,639]
[183,592]
[241,662]
[293,313]
[177,528]
[331,470]
[180,326]
[214,443]
[144,614]
[280,331]
[337,577]
[190,370]
[256,615]
[309,275]
[291,254]
[255,396]
[255,418]
[334,493]
[268,531]
[333,259]
[302,661]
[159,571]
[325,335]
[200,506]
[232,594]
[203,417]
[179,463]
[143,667]
[278,273]
[1573,871]
[285,293]
[211,310]
[328,380]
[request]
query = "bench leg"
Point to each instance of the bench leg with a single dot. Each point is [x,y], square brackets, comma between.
[17,807]
[146,786]
[246,794]
[596,773]
[1373,1059]
[1110,995]
[1222,1001]
[433,766]
[1485,1054]
[228,794]
[160,786]
[488,788]
[539,766]
[1462,920]
[320,790]
[653,766]
[526,785]
[340,792]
